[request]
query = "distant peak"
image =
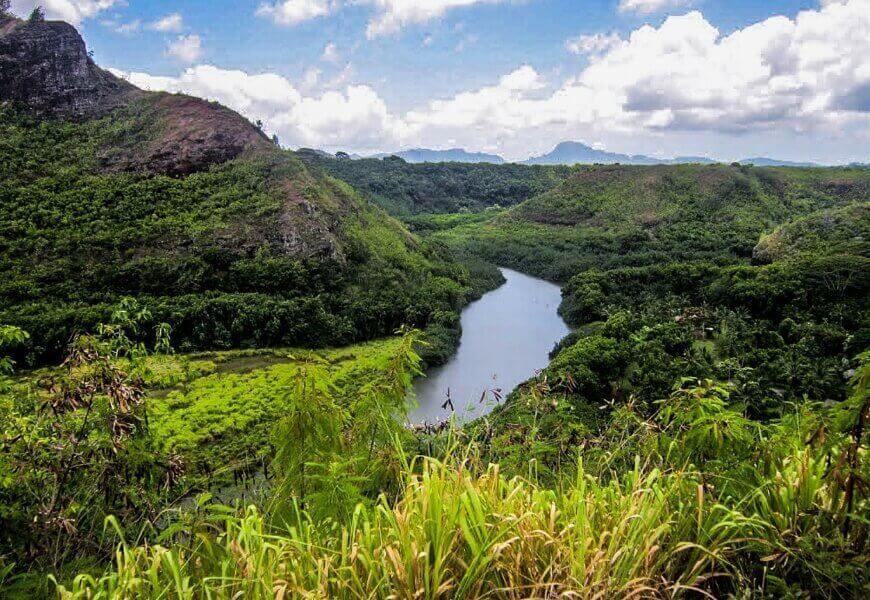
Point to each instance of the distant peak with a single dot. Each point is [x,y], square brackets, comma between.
[571,152]
[420,155]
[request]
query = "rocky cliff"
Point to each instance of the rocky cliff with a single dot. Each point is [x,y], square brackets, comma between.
[243,244]
[44,65]
[45,70]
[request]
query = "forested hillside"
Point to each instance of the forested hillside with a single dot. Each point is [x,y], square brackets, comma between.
[404,188]
[610,216]
[186,206]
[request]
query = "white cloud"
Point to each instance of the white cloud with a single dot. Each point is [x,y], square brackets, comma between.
[593,44]
[311,78]
[646,7]
[72,11]
[186,48]
[293,12]
[124,28]
[330,53]
[394,15]
[808,74]
[390,15]
[803,79]
[354,118]
[173,23]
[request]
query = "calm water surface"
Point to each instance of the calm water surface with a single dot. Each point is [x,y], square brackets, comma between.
[506,336]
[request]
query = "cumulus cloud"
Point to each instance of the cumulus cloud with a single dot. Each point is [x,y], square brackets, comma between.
[72,11]
[293,12]
[173,23]
[807,74]
[807,77]
[352,118]
[393,15]
[592,44]
[782,71]
[645,7]
[186,48]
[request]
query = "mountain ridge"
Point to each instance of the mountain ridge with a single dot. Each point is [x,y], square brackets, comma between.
[579,153]
[423,155]
[571,153]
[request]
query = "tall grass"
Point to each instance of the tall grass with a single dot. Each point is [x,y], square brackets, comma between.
[764,516]
[454,533]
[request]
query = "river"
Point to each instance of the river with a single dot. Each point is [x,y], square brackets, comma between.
[507,336]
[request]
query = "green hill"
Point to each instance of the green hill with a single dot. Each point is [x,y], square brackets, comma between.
[404,188]
[185,205]
[844,229]
[611,216]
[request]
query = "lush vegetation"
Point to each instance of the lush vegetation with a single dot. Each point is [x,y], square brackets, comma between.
[256,252]
[406,189]
[702,432]
[119,430]
[712,503]
[614,216]
[686,493]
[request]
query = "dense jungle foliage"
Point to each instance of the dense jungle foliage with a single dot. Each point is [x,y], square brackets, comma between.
[704,430]
[405,189]
[206,374]
[260,251]
[691,497]
[617,216]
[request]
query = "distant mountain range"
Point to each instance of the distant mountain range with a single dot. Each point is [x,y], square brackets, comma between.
[761,161]
[570,153]
[423,155]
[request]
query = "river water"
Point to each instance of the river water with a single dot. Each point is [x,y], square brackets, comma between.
[507,336]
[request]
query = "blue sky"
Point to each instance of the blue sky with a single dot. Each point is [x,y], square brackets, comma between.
[727,79]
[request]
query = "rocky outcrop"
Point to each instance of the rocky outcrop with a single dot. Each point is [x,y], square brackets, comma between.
[177,135]
[45,70]
[44,66]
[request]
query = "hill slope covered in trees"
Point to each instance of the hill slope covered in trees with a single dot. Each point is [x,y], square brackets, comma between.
[607,216]
[108,191]
[404,188]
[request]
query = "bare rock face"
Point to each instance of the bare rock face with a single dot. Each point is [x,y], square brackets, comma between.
[177,135]
[44,66]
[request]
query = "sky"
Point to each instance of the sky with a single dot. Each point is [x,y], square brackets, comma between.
[728,79]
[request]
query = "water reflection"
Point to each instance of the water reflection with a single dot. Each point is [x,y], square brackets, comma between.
[506,336]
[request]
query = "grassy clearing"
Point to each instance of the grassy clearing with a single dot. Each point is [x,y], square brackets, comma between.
[453,533]
[224,406]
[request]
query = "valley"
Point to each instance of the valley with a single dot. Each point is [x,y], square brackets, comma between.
[234,370]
